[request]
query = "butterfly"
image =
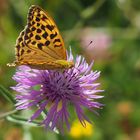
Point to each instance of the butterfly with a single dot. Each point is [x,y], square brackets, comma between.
[40,44]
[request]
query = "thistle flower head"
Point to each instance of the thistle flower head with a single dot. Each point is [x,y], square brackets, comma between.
[54,91]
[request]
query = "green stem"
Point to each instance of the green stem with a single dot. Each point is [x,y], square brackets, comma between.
[7,95]
[3,115]
[91,10]
[88,12]
[23,121]
[43,113]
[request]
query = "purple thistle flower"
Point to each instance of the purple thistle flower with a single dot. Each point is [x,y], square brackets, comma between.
[56,91]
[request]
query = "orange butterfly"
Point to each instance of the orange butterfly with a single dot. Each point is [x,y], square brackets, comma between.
[40,44]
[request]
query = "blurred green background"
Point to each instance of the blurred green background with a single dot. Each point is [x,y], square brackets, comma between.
[114,28]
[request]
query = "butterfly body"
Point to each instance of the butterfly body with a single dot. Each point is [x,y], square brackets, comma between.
[54,65]
[40,44]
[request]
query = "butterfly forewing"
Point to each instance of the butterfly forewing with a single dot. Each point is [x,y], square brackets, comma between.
[42,33]
[40,44]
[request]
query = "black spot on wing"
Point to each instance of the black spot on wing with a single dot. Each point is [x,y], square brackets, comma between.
[38,30]
[50,27]
[29,24]
[22,51]
[33,43]
[28,41]
[20,39]
[45,35]
[30,17]
[43,27]
[26,37]
[44,17]
[33,29]
[38,15]
[22,33]
[40,45]
[31,35]
[22,44]
[38,24]
[28,51]
[37,19]
[56,40]
[37,37]
[58,45]
[47,43]
[33,23]
[17,54]
[53,35]
[18,47]
[28,30]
